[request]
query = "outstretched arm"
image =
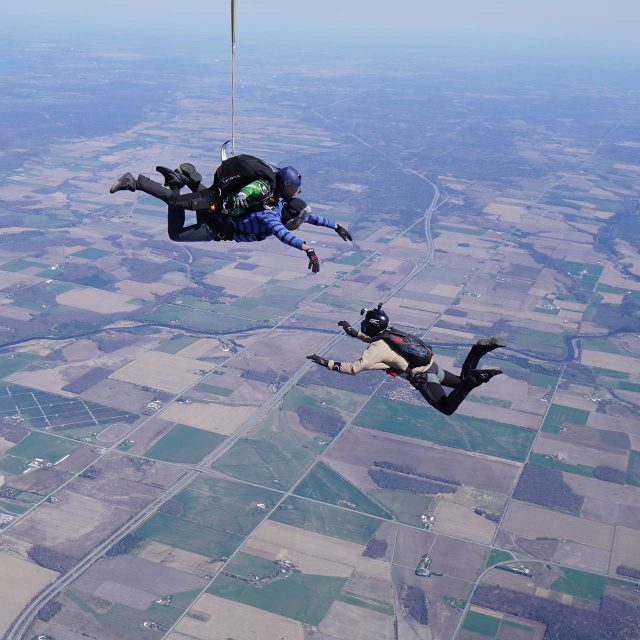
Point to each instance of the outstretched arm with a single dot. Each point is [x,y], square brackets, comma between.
[371,359]
[353,332]
[321,221]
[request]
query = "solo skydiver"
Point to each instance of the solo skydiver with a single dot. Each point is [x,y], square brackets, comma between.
[249,201]
[403,354]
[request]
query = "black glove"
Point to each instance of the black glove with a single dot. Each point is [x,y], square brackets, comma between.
[318,360]
[314,263]
[348,329]
[343,233]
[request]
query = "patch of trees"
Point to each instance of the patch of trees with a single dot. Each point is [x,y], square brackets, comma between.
[391,480]
[545,486]
[623,224]
[415,604]
[147,271]
[615,619]
[86,274]
[268,377]
[12,433]
[109,342]
[580,374]
[321,420]
[125,545]
[609,474]
[91,473]
[35,294]
[8,492]
[49,610]
[171,508]
[629,572]
[493,517]
[376,548]
[87,380]
[400,468]
[51,559]
[619,318]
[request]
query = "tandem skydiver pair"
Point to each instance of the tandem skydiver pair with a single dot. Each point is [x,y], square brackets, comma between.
[403,354]
[249,201]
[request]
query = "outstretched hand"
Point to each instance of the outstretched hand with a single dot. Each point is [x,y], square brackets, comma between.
[318,360]
[314,262]
[343,232]
[348,329]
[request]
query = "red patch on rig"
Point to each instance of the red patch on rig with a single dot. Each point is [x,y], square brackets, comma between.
[397,339]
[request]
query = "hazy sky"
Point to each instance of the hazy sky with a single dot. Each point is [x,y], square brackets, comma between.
[596,25]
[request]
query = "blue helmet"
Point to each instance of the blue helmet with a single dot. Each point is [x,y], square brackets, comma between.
[289,183]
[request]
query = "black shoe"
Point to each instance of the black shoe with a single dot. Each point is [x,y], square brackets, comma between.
[124,183]
[191,176]
[480,376]
[172,179]
[489,344]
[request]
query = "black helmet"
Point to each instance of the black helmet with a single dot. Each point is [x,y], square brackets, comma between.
[294,213]
[375,321]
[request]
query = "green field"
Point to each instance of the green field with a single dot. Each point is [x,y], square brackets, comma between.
[481,623]
[629,386]
[345,401]
[176,343]
[580,584]
[497,556]
[551,344]
[10,363]
[225,505]
[611,373]
[543,380]
[405,506]
[460,432]
[464,230]
[91,253]
[190,536]
[185,444]
[559,414]
[385,608]
[633,469]
[321,518]
[126,622]
[495,402]
[205,387]
[327,485]
[274,455]
[300,597]
[43,445]
[14,509]
[246,564]
[554,463]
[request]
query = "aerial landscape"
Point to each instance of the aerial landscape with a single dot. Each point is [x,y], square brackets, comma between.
[171,466]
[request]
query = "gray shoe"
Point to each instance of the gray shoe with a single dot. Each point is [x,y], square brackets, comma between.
[124,183]
[489,344]
[191,176]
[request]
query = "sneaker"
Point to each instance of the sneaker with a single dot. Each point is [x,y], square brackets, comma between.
[125,183]
[489,344]
[172,179]
[484,375]
[191,176]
